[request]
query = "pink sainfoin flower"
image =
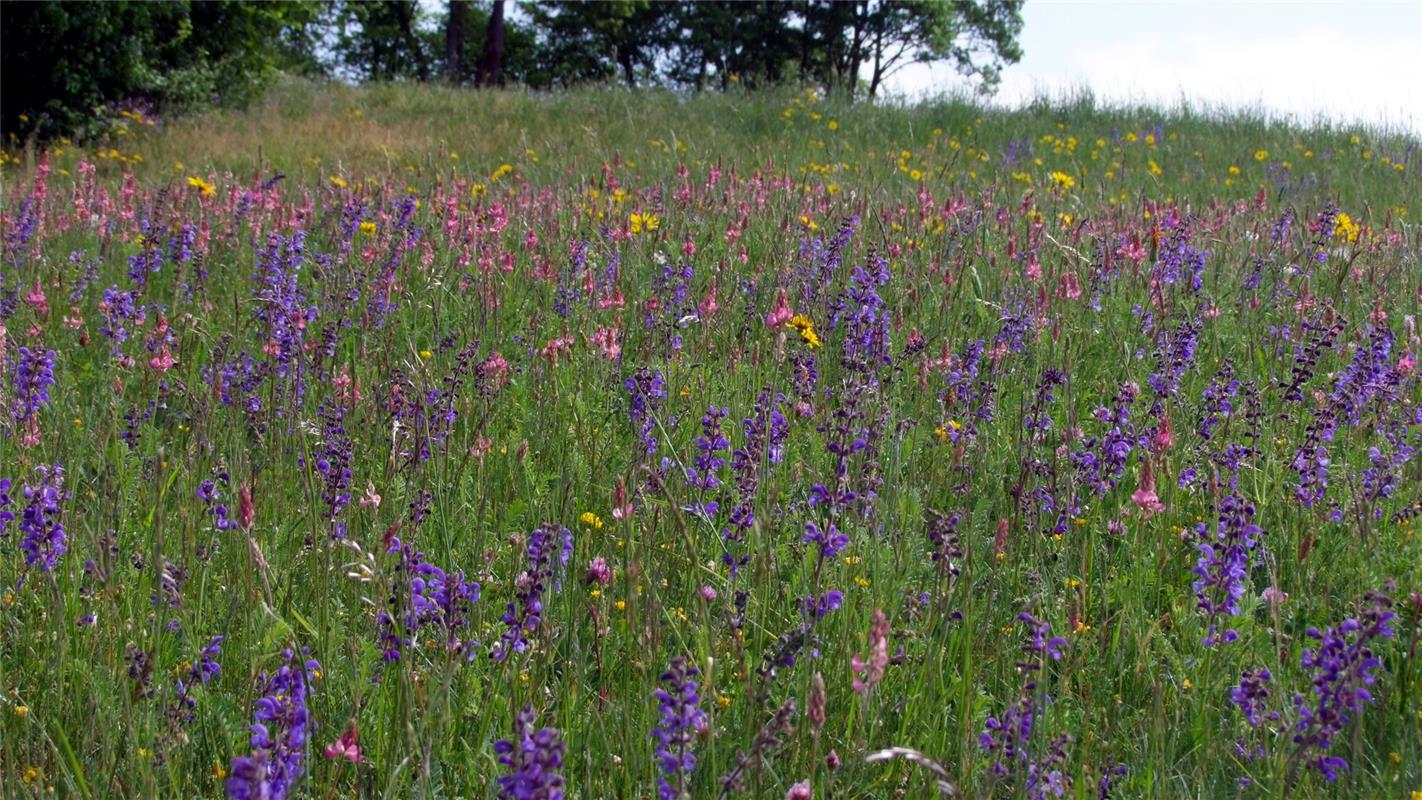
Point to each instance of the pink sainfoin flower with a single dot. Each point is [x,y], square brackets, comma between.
[621,506]
[246,512]
[1163,438]
[608,340]
[347,747]
[870,672]
[163,361]
[371,499]
[1407,364]
[1145,497]
[1034,268]
[1132,249]
[708,305]
[495,370]
[1068,286]
[612,300]
[599,573]
[30,438]
[800,791]
[346,390]
[36,299]
[481,447]
[1274,596]
[781,313]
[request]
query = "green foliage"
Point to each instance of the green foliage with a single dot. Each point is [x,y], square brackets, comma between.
[945,190]
[63,60]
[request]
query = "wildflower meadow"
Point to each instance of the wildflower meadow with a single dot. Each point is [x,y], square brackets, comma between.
[412,443]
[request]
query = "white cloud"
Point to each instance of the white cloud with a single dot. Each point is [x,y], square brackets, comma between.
[1307,71]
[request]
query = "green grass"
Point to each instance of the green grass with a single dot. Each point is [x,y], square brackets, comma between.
[964,204]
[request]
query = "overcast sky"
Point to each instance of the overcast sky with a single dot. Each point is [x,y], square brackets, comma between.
[1345,60]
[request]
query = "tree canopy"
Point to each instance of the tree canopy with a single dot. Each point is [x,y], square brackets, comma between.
[63,60]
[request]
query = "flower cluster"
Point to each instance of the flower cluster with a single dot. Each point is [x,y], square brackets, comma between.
[704,473]
[682,720]
[1008,736]
[333,463]
[646,389]
[533,757]
[45,540]
[280,732]
[34,375]
[1343,666]
[200,673]
[525,612]
[1226,555]
[425,596]
[211,495]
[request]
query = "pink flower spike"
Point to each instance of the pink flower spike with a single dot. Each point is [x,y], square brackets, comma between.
[781,313]
[346,747]
[1145,497]
[708,306]
[1164,437]
[873,669]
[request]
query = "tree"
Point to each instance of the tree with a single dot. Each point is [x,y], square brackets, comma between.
[382,40]
[61,60]
[593,41]
[454,41]
[491,62]
[843,39]
[978,36]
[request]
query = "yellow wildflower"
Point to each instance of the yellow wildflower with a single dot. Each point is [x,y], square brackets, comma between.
[1345,229]
[806,328]
[204,188]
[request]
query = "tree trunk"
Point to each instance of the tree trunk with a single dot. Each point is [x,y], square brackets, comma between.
[454,41]
[404,13]
[878,64]
[624,58]
[856,48]
[491,62]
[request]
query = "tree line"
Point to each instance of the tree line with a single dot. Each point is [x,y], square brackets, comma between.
[64,65]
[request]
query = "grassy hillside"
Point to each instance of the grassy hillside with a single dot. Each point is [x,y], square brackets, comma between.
[311,131]
[405,442]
